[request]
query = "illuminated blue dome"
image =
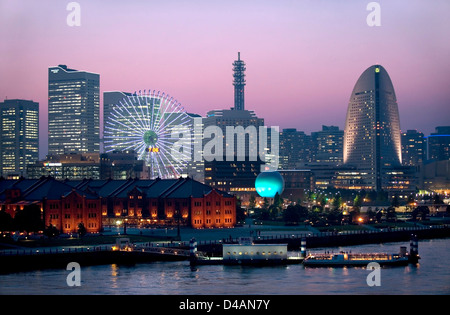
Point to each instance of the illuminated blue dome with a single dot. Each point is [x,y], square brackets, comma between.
[268,184]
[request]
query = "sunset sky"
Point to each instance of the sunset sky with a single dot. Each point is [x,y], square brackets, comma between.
[303,57]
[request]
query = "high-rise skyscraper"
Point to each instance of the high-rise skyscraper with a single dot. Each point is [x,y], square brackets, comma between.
[233,170]
[237,116]
[413,148]
[327,145]
[295,148]
[19,136]
[372,140]
[235,165]
[111,99]
[438,144]
[239,83]
[196,165]
[73,111]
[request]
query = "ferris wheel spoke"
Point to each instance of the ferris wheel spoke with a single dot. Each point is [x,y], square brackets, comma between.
[147,114]
[127,114]
[169,148]
[166,107]
[143,119]
[140,124]
[179,119]
[122,148]
[120,134]
[166,163]
[132,142]
[131,127]
[173,159]
[168,113]
[159,165]
[182,121]
[152,102]
[141,151]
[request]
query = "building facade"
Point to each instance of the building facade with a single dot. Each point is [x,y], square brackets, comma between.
[66,204]
[372,140]
[297,183]
[19,136]
[295,148]
[237,177]
[413,148]
[196,165]
[73,111]
[236,167]
[62,206]
[163,202]
[78,166]
[435,176]
[232,145]
[438,144]
[111,100]
[327,145]
[232,142]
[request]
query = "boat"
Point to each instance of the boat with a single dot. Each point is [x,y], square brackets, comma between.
[246,252]
[355,260]
[345,259]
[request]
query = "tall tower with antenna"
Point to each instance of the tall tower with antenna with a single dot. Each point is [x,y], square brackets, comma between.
[239,83]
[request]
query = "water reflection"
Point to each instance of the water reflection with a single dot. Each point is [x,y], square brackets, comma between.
[114,276]
[431,276]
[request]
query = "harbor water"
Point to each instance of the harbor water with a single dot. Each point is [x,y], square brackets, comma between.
[430,276]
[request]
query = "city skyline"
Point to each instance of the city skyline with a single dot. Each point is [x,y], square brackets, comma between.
[303,55]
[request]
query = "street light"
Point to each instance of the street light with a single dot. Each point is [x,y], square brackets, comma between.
[177,209]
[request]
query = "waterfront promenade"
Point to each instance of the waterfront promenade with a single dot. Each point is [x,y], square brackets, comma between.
[210,241]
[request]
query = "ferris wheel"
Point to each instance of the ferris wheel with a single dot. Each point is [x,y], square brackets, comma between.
[151,123]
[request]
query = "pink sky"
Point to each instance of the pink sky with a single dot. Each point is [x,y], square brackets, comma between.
[303,57]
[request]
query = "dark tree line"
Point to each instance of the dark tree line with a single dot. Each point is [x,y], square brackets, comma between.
[28,220]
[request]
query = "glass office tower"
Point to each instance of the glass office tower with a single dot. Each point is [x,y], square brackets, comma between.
[19,136]
[73,111]
[372,140]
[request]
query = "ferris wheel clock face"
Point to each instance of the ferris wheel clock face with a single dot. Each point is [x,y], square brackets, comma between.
[144,123]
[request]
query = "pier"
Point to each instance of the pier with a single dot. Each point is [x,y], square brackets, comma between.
[51,258]
[16,260]
[335,239]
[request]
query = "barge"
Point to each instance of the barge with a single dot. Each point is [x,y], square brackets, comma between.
[403,258]
[247,253]
[355,260]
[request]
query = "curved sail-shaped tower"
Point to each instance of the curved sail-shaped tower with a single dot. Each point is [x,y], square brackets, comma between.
[372,127]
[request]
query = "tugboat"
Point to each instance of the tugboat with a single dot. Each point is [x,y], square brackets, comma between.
[359,260]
